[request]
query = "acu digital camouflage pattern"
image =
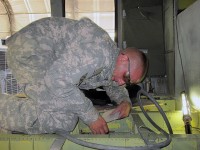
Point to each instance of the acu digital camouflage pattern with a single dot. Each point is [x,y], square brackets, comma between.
[54,58]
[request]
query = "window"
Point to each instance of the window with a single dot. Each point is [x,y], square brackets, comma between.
[100,11]
[23,12]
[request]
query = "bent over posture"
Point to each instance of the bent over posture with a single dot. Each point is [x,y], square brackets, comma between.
[54,58]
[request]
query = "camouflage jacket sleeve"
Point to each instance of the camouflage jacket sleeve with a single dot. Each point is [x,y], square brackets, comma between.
[33,49]
[117,93]
[62,81]
[78,62]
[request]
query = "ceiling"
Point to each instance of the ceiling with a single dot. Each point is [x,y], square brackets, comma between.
[15,14]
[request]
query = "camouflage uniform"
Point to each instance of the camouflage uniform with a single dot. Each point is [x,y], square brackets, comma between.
[54,58]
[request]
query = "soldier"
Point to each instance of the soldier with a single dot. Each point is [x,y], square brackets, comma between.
[55,58]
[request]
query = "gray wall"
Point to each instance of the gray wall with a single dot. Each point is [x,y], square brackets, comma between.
[188,24]
[143,28]
[169,35]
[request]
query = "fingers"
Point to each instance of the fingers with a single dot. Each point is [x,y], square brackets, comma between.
[123,109]
[93,131]
[99,126]
[103,130]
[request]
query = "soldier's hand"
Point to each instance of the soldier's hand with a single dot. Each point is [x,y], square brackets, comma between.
[99,126]
[123,109]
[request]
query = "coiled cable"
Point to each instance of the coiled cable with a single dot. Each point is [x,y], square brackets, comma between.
[156,146]
[166,142]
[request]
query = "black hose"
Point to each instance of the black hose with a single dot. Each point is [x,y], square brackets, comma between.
[159,109]
[167,142]
[147,147]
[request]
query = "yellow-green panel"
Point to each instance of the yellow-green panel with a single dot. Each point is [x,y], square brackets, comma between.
[190,145]
[183,4]
[175,118]
[72,146]
[167,105]
[4,145]
[21,144]
[122,125]
[40,142]
[43,144]
[134,141]
[123,133]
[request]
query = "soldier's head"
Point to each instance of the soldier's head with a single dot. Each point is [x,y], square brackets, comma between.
[131,67]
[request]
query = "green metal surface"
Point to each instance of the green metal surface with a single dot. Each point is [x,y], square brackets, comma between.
[166,104]
[124,132]
[43,142]
[124,125]
[183,4]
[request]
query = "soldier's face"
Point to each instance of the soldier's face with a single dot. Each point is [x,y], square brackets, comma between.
[123,74]
[121,70]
